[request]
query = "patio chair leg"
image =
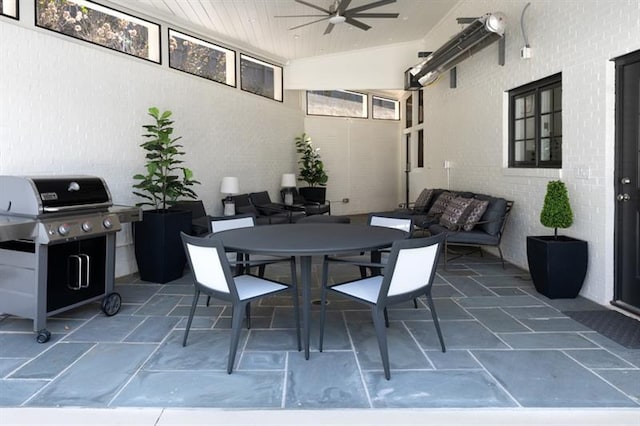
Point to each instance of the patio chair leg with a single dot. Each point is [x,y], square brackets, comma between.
[381,334]
[236,327]
[432,308]
[501,257]
[248,315]
[196,296]
[386,317]
[415,303]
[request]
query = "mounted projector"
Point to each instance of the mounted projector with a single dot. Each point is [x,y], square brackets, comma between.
[480,33]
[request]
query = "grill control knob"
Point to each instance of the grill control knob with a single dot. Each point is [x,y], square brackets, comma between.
[87,227]
[64,229]
[107,223]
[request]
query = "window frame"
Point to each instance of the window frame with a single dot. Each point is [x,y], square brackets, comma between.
[365,103]
[208,44]
[275,67]
[16,7]
[535,88]
[373,109]
[153,55]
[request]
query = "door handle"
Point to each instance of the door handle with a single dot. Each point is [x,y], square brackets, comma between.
[625,181]
[623,197]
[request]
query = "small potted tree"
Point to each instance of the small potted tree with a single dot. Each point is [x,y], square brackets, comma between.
[158,248]
[557,263]
[311,170]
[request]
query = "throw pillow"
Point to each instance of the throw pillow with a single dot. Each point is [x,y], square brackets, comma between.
[440,204]
[423,199]
[455,213]
[474,212]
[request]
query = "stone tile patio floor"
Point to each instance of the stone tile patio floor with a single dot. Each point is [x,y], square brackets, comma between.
[507,346]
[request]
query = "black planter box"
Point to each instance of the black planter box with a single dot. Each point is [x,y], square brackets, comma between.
[158,246]
[557,266]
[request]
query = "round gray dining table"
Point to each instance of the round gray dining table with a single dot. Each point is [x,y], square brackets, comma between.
[307,240]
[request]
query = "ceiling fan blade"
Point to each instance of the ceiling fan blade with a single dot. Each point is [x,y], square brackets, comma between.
[298,16]
[358,24]
[374,15]
[368,6]
[342,7]
[316,7]
[309,23]
[328,29]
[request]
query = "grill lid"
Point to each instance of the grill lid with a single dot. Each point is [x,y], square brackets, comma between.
[36,196]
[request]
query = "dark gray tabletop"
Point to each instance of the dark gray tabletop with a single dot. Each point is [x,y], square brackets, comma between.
[308,239]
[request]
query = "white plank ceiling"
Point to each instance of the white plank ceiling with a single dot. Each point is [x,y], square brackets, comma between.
[251,24]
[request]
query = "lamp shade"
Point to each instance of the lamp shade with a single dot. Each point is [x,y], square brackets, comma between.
[230,185]
[288,180]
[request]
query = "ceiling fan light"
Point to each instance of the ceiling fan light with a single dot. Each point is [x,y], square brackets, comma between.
[337,19]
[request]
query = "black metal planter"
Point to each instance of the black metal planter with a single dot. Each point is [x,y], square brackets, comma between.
[557,266]
[158,247]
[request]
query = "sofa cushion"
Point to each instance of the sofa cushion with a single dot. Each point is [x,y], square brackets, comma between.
[474,212]
[423,200]
[496,209]
[441,203]
[455,213]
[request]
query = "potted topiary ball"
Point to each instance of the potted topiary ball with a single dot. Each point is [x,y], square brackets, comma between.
[557,263]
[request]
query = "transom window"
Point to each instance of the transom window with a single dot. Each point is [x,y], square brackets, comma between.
[337,103]
[202,58]
[91,22]
[385,109]
[260,78]
[9,8]
[535,124]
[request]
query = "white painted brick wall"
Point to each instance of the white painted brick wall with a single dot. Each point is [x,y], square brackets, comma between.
[465,125]
[362,160]
[68,107]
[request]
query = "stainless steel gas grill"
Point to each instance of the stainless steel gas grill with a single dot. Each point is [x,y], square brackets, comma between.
[57,246]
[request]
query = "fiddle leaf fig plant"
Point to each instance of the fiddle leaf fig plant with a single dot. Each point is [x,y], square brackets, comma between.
[556,211]
[311,166]
[166,181]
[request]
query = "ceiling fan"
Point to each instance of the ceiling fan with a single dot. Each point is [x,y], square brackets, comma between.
[339,13]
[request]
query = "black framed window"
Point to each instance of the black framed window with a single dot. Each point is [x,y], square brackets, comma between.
[260,78]
[420,106]
[9,8]
[420,148]
[408,111]
[202,58]
[385,109]
[337,103]
[97,24]
[535,124]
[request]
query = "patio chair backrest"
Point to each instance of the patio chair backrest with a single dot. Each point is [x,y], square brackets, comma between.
[401,223]
[411,266]
[209,265]
[233,222]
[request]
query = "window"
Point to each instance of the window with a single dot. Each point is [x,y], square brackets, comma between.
[9,8]
[100,25]
[420,106]
[385,109]
[201,58]
[408,111]
[420,148]
[337,103]
[535,124]
[260,78]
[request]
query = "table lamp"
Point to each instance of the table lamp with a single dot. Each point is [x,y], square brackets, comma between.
[230,187]
[288,182]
